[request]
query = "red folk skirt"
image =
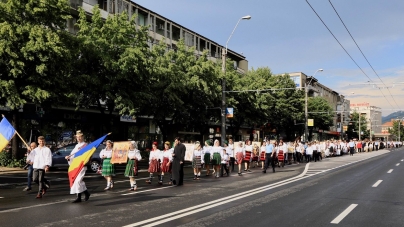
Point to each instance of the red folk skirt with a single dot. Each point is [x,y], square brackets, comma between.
[239,157]
[247,157]
[164,167]
[262,156]
[154,166]
[280,156]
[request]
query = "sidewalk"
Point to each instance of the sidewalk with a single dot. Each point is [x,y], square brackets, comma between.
[8,170]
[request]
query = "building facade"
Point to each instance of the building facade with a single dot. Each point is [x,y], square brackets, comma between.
[339,103]
[160,28]
[372,114]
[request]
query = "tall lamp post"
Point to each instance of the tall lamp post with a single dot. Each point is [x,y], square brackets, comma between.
[224,53]
[306,88]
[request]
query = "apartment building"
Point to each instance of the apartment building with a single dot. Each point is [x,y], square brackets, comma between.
[372,114]
[339,104]
[160,28]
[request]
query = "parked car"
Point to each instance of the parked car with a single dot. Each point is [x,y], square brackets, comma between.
[59,161]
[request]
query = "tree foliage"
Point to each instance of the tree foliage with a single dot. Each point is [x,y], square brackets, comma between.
[397,130]
[34,55]
[353,126]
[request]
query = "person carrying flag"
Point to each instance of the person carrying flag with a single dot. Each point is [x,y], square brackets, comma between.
[78,186]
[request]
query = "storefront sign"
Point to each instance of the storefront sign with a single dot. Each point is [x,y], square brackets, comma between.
[127,118]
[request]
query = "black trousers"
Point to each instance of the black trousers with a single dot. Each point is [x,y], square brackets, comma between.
[315,155]
[269,160]
[231,163]
[39,175]
[224,167]
[377,147]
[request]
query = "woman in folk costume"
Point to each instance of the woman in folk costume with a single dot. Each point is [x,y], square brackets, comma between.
[166,165]
[262,154]
[282,148]
[206,156]
[196,160]
[216,157]
[248,155]
[131,167]
[255,155]
[107,168]
[155,157]
[78,186]
[240,153]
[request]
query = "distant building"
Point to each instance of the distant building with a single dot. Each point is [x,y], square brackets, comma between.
[339,104]
[373,116]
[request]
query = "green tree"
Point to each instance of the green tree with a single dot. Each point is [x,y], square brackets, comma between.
[397,130]
[277,107]
[321,113]
[353,126]
[182,85]
[112,64]
[34,52]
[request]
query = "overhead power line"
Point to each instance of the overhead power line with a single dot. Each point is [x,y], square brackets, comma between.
[345,50]
[363,54]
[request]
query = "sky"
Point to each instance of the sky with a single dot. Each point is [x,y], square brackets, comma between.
[287,36]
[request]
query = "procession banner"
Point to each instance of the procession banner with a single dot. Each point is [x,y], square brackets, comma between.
[120,152]
[7,132]
[190,147]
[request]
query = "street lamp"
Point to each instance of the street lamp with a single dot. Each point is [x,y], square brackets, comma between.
[306,88]
[224,53]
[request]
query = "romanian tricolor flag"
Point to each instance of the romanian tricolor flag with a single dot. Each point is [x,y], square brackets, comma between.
[81,158]
[7,132]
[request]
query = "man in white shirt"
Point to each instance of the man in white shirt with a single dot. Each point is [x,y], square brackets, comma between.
[230,152]
[42,162]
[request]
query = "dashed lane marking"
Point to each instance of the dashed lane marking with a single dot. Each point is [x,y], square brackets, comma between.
[344,213]
[390,171]
[377,183]
[397,164]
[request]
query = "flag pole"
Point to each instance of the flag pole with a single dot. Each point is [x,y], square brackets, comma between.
[18,134]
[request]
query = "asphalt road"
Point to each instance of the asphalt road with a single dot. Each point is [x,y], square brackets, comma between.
[359,190]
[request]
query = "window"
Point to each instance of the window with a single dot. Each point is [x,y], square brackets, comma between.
[176,33]
[189,39]
[141,18]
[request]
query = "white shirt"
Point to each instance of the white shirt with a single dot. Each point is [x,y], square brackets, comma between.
[225,158]
[106,153]
[248,148]
[156,154]
[31,156]
[197,153]
[309,150]
[74,151]
[134,154]
[168,154]
[43,157]
[283,148]
[206,150]
[230,150]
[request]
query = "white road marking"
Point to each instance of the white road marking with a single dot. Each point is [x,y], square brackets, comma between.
[402,159]
[390,171]
[397,164]
[344,213]
[181,213]
[147,190]
[377,183]
[1,197]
